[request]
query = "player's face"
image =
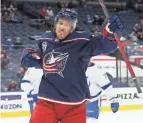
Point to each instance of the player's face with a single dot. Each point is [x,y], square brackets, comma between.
[63,28]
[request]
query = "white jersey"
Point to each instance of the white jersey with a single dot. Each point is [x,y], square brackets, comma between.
[31,80]
[98,81]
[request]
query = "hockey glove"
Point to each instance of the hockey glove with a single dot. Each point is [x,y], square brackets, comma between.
[114,104]
[28,58]
[114,25]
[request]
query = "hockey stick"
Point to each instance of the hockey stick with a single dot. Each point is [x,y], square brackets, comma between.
[122,49]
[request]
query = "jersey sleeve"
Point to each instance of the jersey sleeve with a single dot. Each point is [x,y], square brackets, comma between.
[104,83]
[28,76]
[98,45]
[26,81]
[98,76]
[99,82]
[102,80]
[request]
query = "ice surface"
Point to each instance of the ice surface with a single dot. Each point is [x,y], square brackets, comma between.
[135,116]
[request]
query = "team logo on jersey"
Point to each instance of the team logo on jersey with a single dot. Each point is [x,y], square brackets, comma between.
[44,46]
[54,62]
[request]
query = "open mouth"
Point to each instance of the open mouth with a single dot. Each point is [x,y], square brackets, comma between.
[61,32]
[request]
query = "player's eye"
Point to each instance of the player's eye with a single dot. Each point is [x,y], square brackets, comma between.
[60,23]
[63,24]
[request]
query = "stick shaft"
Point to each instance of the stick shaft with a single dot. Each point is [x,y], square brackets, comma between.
[122,49]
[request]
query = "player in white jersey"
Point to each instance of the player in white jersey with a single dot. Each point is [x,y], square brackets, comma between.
[98,82]
[30,84]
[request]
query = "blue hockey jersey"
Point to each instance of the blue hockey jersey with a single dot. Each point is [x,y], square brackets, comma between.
[65,62]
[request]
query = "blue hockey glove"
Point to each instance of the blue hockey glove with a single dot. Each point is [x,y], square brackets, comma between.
[114,104]
[114,25]
[27,59]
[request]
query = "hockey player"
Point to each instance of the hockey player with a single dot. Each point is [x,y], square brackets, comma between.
[64,55]
[30,85]
[98,81]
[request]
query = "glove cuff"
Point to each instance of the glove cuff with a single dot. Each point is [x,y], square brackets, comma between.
[108,35]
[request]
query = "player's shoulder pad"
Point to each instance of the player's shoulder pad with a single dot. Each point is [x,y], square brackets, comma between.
[81,35]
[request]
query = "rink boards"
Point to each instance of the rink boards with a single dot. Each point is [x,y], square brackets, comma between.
[15,104]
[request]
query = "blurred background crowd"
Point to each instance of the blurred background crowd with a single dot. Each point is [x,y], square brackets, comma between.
[22,21]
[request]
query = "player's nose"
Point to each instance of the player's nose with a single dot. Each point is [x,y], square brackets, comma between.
[62,27]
